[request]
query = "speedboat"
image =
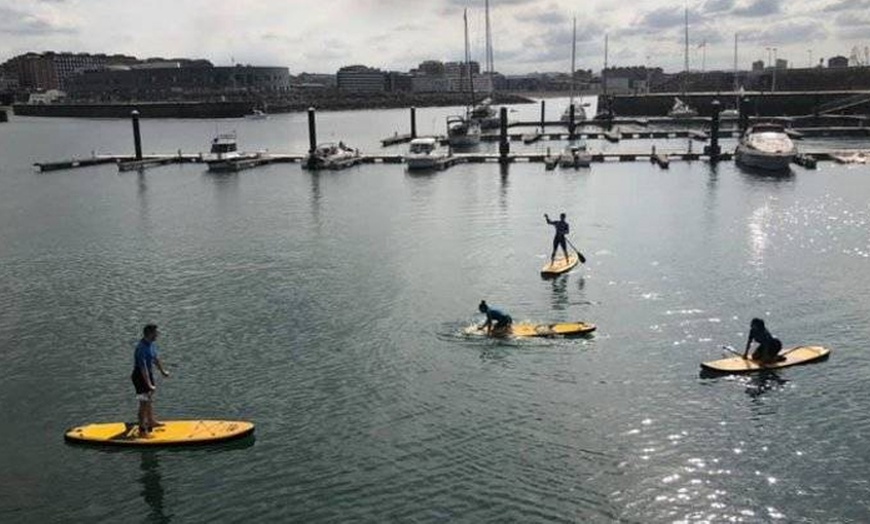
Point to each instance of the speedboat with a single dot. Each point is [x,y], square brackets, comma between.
[425,153]
[257,114]
[575,155]
[462,132]
[224,154]
[765,146]
[332,156]
[681,110]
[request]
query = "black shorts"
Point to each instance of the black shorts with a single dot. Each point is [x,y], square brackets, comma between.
[139,382]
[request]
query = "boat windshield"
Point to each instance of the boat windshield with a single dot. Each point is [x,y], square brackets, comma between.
[421,147]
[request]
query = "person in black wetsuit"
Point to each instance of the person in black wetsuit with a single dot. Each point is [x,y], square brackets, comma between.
[502,320]
[562,229]
[768,347]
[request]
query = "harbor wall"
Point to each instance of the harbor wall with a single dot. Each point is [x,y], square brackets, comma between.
[760,103]
[237,109]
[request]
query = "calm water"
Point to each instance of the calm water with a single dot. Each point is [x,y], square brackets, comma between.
[327,307]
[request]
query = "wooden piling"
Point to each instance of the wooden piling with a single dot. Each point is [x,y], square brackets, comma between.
[504,146]
[714,149]
[413,123]
[312,131]
[137,137]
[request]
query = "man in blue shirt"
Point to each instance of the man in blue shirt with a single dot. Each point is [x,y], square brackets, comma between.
[562,229]
[502,320]
[144,358]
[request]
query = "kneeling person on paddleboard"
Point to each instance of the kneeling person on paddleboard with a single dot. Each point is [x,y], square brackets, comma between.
[562,229]
[144,358]
[502,320]
[768,347]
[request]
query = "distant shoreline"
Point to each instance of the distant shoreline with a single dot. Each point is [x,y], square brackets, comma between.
[238,109]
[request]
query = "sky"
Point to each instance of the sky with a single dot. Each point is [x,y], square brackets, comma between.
[528,35]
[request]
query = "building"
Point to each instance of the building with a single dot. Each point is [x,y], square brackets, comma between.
[758,65]
[781,63]
[50,70]
[361,79]
[838,61]
[177,81]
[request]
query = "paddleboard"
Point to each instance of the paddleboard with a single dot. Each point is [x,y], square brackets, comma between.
[527,329]
[171,433]
[559,266]
[794,356]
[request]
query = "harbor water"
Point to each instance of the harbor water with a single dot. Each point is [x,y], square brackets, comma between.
[328,308]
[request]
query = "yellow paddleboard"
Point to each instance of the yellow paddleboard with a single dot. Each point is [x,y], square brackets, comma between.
[794,356]
[171,433]
[559,266]
[527,329]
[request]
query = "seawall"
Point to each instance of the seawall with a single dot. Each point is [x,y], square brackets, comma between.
[761,103]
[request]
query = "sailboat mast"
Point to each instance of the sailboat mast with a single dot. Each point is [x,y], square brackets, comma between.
[573,62]
[467,58]
[686,53]
[735,62]
[489,61]
[604,73]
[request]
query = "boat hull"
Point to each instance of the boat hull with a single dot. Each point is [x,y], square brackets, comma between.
[753,158]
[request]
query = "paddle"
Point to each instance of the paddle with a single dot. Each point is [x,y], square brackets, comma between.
[579,254]
[732,350]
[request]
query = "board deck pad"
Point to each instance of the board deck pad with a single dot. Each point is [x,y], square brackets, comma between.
[171,433]
[528,329]
[560,265]
[794,356]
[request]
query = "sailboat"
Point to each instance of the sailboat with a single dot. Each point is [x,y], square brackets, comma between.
[462,130]
[604,113]
[579,112]
[483,112]
[735,111]
[682,109]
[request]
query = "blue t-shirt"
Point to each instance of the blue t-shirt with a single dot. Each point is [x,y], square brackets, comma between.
[143,357]
[497,315]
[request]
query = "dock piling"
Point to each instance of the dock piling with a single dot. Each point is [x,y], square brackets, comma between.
[743,119]
[571,124]
[504,146]
[413,123]
[713,150]
[543,117]
[137,136]
[312,131]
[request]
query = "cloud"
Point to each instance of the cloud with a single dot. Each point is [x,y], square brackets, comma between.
[759,8]
[19,23]
[792,32]
[846,5]
[717,6]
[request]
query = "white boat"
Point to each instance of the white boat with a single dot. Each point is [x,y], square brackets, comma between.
[257,114]
[484,114]
[575,155]
[729,113]
[332,156]
[425,153]
[681,110]
[462,132]
[765,146]
[224,154]
[579,113]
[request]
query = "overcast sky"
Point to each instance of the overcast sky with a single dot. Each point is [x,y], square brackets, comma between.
[528,35]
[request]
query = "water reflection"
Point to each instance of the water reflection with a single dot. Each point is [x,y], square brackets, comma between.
[763,382]
[504,170]
[559,300]
[152,487]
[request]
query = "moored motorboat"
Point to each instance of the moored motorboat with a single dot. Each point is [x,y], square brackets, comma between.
[425,153]
[484,114]
[332,156]
[462,132]
[224,154]
[575,155]
[681,110]
[765,146]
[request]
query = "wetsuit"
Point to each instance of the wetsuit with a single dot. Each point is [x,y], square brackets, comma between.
[562,229]
[501,320]
[768,346]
